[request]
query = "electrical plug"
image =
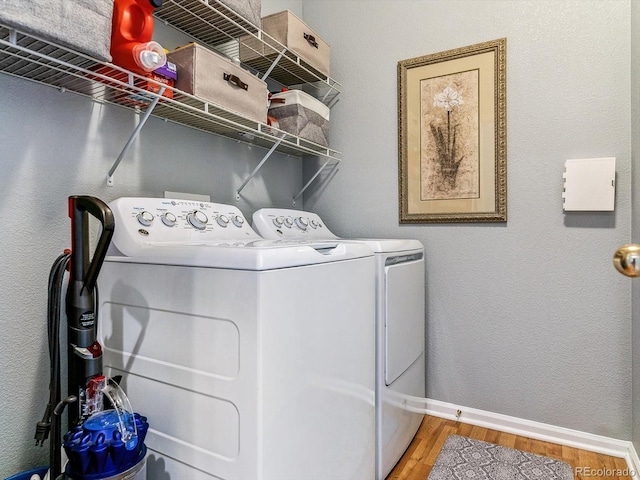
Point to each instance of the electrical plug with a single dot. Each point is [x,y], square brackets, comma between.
[42,432]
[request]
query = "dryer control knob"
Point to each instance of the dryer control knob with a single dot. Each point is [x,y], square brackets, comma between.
[278,221]
[169,219]
[314,224]
[302,223]
[222,220]
[288,222]
[145,218]
[237,220]
[198,219]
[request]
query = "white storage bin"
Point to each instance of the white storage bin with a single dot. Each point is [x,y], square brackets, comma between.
[301,115]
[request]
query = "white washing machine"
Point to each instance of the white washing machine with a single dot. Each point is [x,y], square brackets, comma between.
[400,325]
[252,359]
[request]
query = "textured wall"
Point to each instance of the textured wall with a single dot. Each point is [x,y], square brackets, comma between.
[53,145]
[273,6]
[526,318]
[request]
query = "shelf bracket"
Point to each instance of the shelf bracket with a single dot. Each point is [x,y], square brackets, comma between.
[262,162]
[311,180]
[134,135]
[333,101]
[273,65]
[330,102]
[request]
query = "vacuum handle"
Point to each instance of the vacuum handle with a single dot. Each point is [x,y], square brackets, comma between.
[78,206]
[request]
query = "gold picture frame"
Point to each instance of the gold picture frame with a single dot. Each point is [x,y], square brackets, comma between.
[452,135]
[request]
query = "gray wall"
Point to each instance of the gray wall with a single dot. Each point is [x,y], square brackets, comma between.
[273,6]
[529,318]
[53,145]
[526,319]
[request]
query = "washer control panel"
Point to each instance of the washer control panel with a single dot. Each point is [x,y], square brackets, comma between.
[166,221]
[275,223]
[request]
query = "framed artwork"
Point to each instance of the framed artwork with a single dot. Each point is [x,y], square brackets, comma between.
[452,135]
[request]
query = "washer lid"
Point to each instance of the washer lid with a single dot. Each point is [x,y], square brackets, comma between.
[390,245]
[254,255]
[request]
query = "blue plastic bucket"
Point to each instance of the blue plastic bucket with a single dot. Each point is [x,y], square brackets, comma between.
[137,472]
[42,471]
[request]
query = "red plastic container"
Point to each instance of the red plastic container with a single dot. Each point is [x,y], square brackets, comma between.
[132,26]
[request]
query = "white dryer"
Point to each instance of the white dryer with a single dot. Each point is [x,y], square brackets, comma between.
[252,359]
[400,325]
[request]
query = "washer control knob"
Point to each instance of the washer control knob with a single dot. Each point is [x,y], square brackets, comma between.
[238,221]
[288,222]
[198,219]
[145,218]
[278,221]
[169,219]
[222,220]
[314,224]
[302,223]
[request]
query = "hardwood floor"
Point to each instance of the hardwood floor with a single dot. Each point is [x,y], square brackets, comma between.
[421,454]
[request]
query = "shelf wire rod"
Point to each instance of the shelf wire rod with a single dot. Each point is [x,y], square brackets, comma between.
[273,65]
[255,170]
[333,99]
[134,135]
[312,179]
[333,102]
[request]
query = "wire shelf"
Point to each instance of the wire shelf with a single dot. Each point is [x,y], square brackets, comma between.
[25,56]
[213,24]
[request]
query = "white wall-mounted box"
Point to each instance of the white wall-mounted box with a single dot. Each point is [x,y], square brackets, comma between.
[589,184]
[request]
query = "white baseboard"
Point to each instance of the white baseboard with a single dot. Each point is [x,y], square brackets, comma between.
[538,431]
[632,460]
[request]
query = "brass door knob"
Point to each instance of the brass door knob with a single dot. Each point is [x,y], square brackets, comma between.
[627,260]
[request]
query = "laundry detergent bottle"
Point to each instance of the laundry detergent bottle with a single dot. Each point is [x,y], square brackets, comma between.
[132,29]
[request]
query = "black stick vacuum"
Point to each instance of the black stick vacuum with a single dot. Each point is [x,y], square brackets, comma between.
[84,351]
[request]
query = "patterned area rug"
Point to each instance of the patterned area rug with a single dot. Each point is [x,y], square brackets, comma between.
[469,459]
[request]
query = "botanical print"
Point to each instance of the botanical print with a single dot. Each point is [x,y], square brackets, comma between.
[449,145]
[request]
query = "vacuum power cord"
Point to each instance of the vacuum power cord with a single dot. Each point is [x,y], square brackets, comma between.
[56,279]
